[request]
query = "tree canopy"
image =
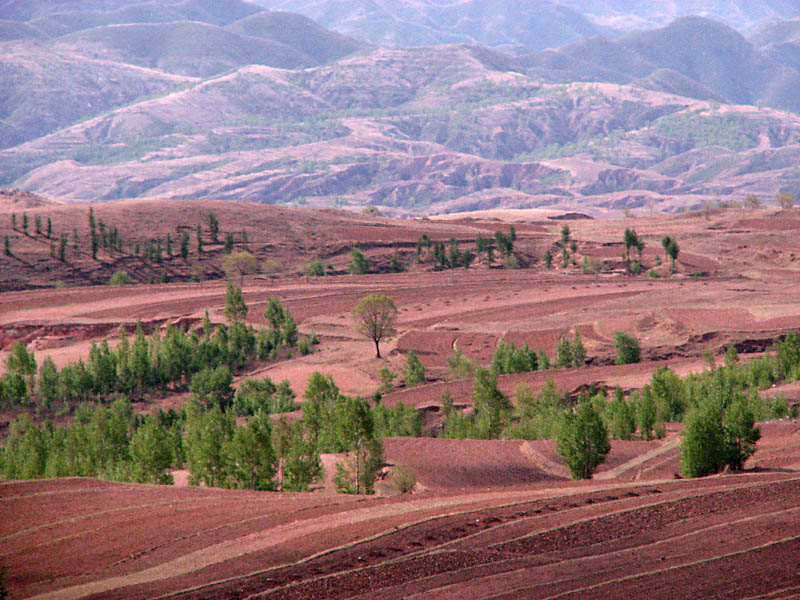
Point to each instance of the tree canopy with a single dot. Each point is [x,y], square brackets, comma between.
[374,317]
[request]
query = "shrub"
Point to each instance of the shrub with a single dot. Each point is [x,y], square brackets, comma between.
[304,346]
[120,278]
[315,268]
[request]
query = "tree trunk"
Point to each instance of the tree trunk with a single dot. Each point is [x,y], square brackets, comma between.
[377,349]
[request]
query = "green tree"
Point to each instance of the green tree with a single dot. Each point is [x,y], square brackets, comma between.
[620,418]
[374,317]
[301,465]
[631,239]
[703,449]
[62,248]
[564,353]
[548,259]
[21,361]
[25,223]
[413,371]
[228,243]
[365,459]
[673,250]
[7,247]
[628,350]
[212,387]
[252,459]
[646,414]
[492,407]
[565,235]
[213,227]
[151,453]
[49,227]
[199,235]
[48,382]
[37,220]
[578,351]
[741,433]
[387,377]
[274,314]
[359,265]
[583,441]
[235,307]
[205,438]
[185,246]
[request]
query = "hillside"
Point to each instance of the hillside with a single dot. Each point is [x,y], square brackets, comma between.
[373,126]
[280,110]
[484,518]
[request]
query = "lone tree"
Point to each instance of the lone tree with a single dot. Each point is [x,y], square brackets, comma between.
[374,316]
[583,441]
[239,263]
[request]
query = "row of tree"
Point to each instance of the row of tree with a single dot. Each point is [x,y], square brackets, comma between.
[145,365]
[110,441]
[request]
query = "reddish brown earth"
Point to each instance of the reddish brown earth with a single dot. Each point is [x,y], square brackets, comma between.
[537,537]
[487,519]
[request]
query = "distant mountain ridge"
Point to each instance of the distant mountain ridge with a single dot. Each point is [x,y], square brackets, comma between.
[710,59]
[532,24]
[108,99]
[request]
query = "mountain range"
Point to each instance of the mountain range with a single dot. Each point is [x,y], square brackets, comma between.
[107,99]
[532,24]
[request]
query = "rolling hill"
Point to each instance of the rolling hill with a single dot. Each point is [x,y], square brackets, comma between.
[178,100]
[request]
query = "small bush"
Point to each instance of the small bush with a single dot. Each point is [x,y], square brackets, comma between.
[120,278]
[304,346]
[315,268]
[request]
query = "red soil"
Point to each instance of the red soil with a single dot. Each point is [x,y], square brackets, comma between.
[498,519]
